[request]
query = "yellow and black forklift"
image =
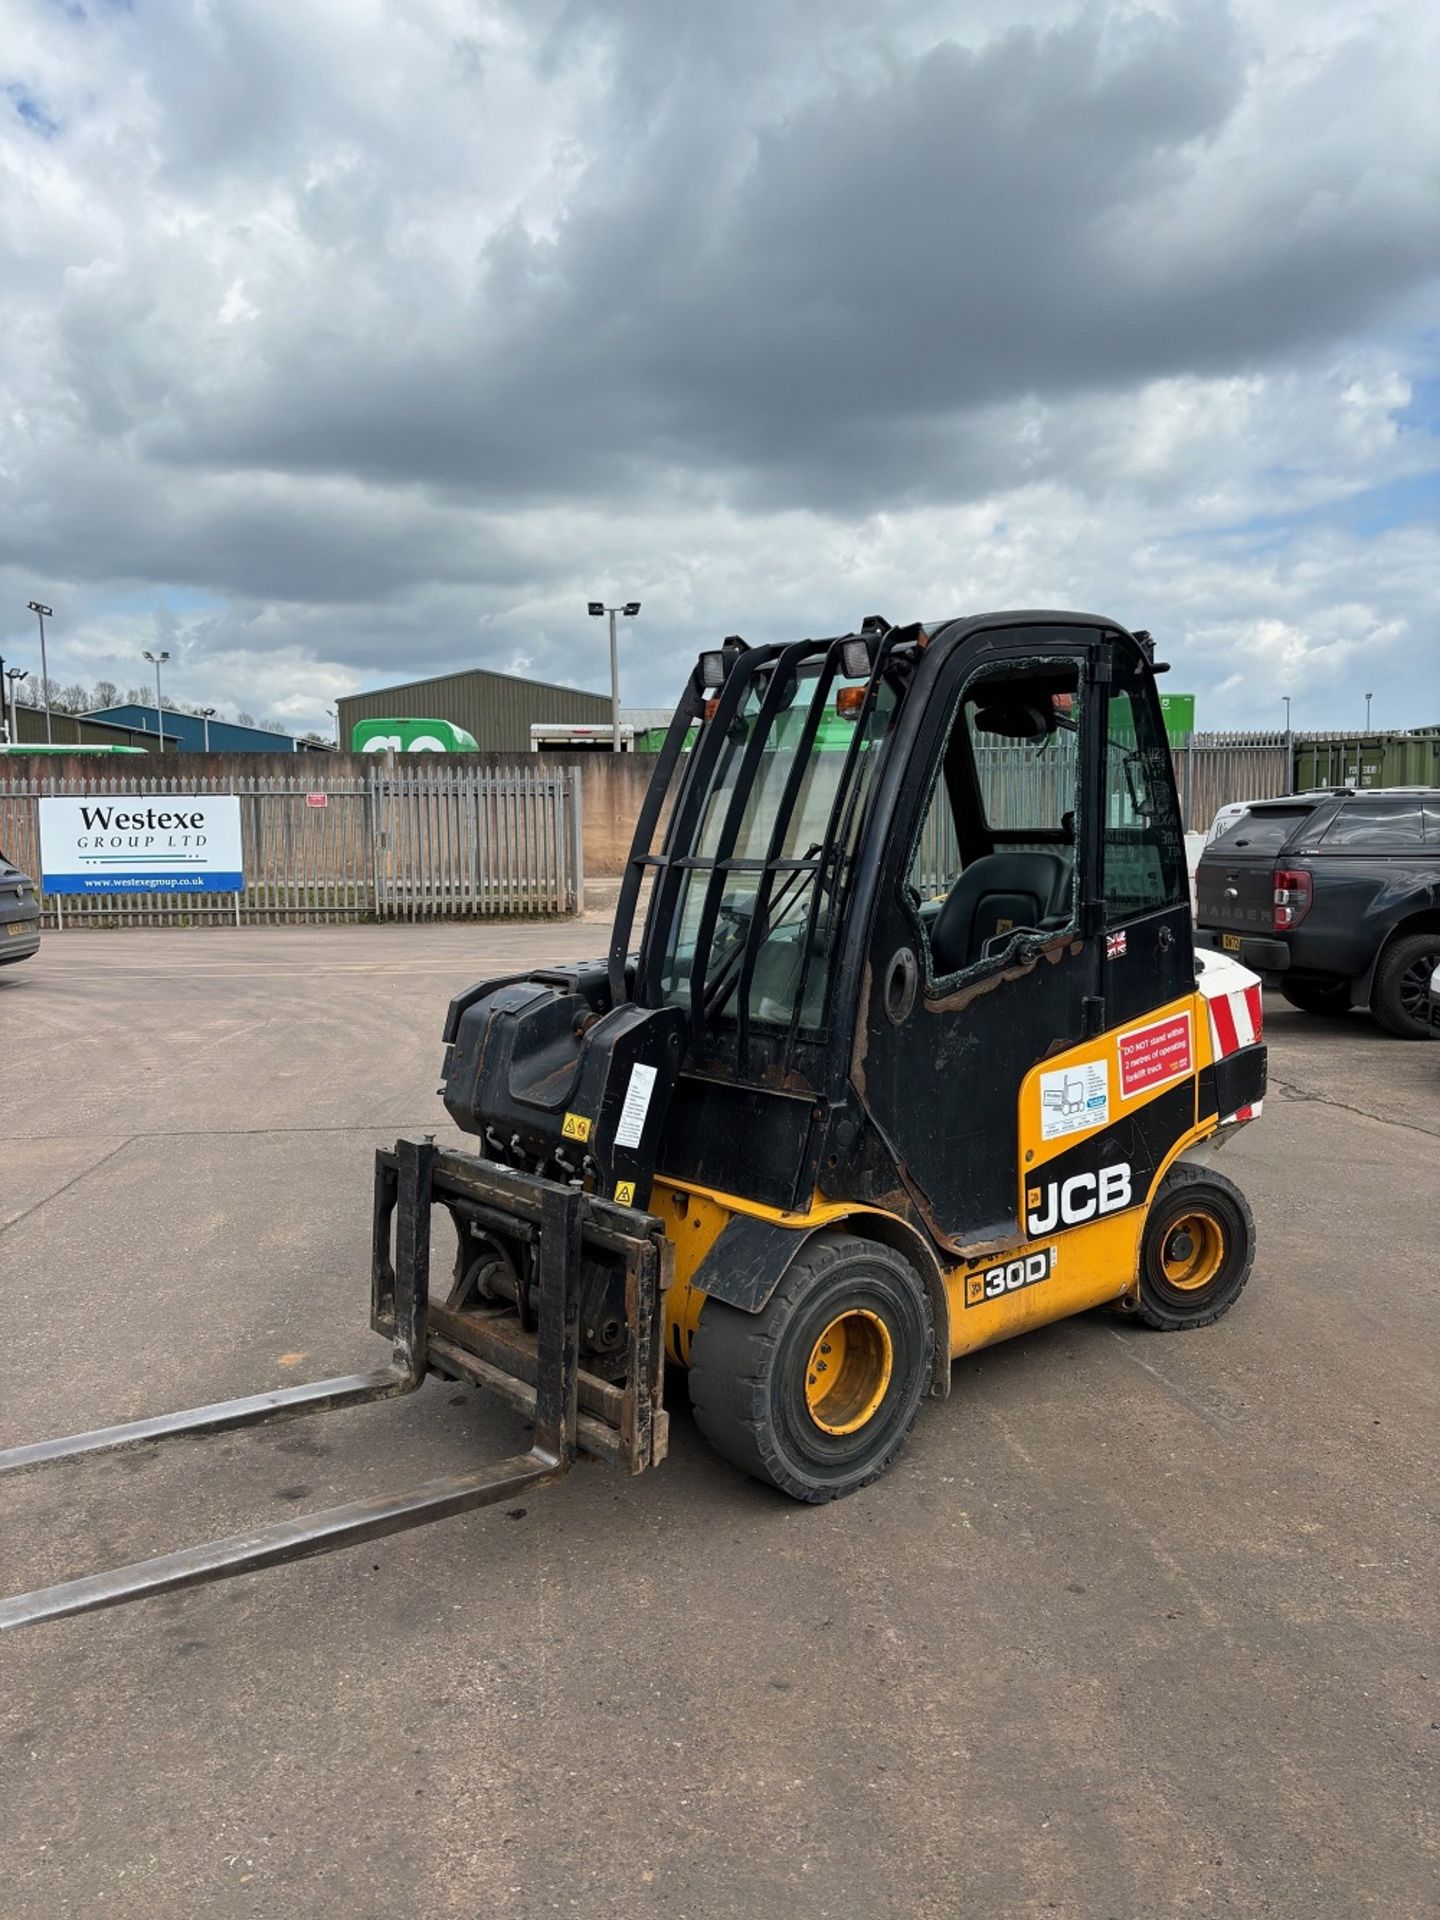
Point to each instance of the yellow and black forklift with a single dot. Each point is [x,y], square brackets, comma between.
[913,1053]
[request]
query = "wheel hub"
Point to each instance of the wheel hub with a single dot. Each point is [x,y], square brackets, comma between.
[848,1371]
[1415,984]
[1193,1252]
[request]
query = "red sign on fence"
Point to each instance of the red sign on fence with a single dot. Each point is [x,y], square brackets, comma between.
[317,799]
[1151,1056]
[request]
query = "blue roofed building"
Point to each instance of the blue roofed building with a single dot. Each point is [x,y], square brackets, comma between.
[187,732]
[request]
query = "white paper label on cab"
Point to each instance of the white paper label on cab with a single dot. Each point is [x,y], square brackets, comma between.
[637,1105]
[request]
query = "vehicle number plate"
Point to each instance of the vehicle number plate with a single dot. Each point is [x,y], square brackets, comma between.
[16,927]
[1230,942]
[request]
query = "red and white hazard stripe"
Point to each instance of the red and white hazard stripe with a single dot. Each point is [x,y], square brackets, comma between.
[1232,999]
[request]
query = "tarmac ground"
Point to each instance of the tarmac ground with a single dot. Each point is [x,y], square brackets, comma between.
[1139,1625]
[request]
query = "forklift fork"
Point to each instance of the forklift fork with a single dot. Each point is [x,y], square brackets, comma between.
[540,1373]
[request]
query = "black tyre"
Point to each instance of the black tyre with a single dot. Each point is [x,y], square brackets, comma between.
[816,1394]
[1329,997]
[1197,1249]
[1399,998]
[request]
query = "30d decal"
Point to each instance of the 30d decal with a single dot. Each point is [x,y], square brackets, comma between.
[1026,1271]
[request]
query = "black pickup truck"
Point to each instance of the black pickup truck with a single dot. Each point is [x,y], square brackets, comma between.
[1333,898]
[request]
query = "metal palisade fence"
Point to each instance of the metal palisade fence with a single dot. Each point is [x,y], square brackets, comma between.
[423,838]
[1214,769]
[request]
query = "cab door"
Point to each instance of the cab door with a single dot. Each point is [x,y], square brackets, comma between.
[1143,888]
[983,958]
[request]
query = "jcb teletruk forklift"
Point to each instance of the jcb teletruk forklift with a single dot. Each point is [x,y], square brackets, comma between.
[908,1059]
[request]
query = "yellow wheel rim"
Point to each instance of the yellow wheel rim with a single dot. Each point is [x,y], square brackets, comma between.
[1193,1253]
[848,1371]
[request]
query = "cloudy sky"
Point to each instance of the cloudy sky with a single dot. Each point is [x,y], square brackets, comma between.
[343,340]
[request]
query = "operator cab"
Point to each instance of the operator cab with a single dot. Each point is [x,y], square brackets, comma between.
[891,868]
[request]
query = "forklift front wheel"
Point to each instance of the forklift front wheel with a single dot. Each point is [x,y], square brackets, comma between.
[1197,1251]
[816,1393]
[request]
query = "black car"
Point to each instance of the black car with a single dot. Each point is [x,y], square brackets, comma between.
[1334,898]
[19,914]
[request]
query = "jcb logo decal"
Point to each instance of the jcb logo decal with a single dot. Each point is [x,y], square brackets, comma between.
[1065,1203]
[1009,1277]
[576,1127]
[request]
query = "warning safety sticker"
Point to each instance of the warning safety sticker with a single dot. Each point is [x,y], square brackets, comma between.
[1074,1098]
[1153,1056]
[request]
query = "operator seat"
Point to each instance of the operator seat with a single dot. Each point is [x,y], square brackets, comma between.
[1018,889]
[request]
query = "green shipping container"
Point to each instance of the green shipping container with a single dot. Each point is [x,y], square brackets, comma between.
[1369,760]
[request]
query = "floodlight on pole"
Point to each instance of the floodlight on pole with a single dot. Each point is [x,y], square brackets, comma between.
[157,660]
[1368,698]
[629,608]
[207,714]
[42,614]
[12,674]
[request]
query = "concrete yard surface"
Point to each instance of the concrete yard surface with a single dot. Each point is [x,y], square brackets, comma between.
[1138,1626]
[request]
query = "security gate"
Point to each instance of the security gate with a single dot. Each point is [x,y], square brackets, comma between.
[447,846]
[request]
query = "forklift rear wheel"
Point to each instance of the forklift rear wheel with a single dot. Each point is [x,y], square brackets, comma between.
[816,1393]
[1198,1249]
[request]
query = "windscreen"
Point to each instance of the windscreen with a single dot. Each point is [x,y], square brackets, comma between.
[776,830]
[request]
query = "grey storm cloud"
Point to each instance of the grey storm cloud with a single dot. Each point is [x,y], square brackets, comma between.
[795,308]
[392,335]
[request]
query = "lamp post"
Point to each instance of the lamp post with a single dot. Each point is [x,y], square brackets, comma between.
[629,608]
[157,660]
[12,676]
[334,713]
[1368,698]
[1289,748]
[42,614]
[207,714]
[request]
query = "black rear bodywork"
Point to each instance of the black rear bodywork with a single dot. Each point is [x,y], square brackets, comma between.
[808,1026]
[1373,862]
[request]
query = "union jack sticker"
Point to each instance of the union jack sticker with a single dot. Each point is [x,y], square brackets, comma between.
[1114,946]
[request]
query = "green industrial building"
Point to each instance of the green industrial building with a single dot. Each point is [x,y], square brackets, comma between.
[27,728]
[498,708]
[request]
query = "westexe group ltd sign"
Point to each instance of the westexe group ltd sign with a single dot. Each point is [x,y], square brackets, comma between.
[142,843]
